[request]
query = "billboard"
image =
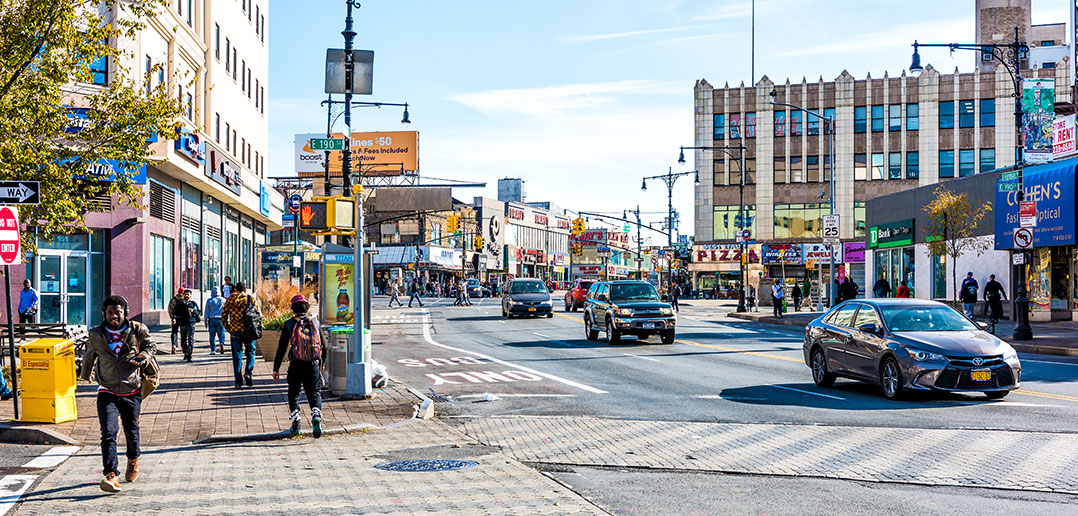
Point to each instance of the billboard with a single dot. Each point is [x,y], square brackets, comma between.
[493,228]
[379,153]
[1063,139]
[1052,187]
[1038,116]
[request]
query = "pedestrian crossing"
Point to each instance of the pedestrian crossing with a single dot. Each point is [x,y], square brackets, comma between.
[15,485]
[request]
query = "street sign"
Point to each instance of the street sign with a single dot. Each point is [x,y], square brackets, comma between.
[20,192]
[1027,214]
[327,144]
[625,228]
[1007,187]
[1018,259]
[1023,238]
[10,249]
[1009,176]
[603,252]
[830,229]
[746,234]
[293,202]
[654,259]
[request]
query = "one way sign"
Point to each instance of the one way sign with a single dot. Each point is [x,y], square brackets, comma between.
[19,192]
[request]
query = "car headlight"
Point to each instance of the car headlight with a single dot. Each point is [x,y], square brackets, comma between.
[667,311]
[511,302]
[624,311]
[547,302]
[1010,353]
[922,356]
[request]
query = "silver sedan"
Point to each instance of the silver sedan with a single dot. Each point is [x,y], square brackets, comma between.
[909,345]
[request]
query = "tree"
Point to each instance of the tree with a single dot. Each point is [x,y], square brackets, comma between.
[48,50]
[952,228]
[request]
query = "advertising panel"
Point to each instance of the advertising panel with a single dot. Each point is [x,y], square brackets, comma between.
[893,234]
[853,252]
[1063,139]
[1038,107]
[723,253]
[224,172]
[339,305]
[790,254]
[379,153]
[817,253]
[1051,186]
[493,231]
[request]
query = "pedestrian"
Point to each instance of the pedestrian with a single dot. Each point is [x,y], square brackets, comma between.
[993,297]
[675,294]
[464,292]
[232,316]
[849,289]
[214,306]
[806,293]
[968,294]
[882,288]
[415,293]
[29,302]
[307,279]
[185,316]
[172,303]
[116,350]
[795,292]
[226,289]
[393,295]
[5,391]
[903,290]
[776,298]
[301,340]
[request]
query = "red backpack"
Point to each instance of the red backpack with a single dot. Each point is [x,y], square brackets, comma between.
[305,341]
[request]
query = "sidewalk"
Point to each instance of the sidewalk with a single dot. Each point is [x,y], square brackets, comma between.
[1055,338]
[197,402]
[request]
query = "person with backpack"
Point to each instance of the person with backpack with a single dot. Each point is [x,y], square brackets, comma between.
[243,322]
[302,342]
[968,293]
[186,315]
[116,352]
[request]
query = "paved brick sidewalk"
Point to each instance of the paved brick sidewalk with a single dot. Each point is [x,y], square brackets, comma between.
[333,475]
[197,400]
[1032,461]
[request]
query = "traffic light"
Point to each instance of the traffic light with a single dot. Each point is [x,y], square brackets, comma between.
[453,223]
[477,243]
[577,249]
[578,226]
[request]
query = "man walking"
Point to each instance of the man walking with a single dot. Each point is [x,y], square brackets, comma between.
[848,290]
[116,351]
[464,292]
[29,302]
[394,294]
[806,292]
[993,297]
[968,294]
[795,292]
[776,298]
[414,291]
[172,303]
[185,315]
[675,294]
[882,288]
[214,306]
[232,316]
[226,289]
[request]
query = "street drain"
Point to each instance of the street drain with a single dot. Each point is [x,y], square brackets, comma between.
[426,465]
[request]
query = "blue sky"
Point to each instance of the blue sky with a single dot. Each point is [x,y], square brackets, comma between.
[583,98]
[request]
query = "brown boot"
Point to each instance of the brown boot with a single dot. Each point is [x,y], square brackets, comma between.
[111,483]
[132,470]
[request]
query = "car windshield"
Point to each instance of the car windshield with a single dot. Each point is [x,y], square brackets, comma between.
[584,285]
[925,318]
[473,282]
[633,291]
[527,287]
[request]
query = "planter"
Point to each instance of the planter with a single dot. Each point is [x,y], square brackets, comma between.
[267,345]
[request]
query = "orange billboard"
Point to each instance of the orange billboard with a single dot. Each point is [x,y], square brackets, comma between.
[373,153]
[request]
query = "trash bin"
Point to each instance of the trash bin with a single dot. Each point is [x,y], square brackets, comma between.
[48,380]
[336,340]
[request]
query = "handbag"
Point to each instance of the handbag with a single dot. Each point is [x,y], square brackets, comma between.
[151,370]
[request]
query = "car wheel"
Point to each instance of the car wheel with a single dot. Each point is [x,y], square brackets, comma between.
[668,337]
[891,379]
[820,374]
[997,395]
[568,307]
[588,332]
[612,335]
[575,306]
[550,315]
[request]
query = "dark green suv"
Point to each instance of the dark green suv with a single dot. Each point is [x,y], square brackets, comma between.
[627,308]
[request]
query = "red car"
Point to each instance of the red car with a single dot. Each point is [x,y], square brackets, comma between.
[574,297]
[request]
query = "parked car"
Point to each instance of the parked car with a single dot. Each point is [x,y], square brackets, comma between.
[526,296]
[574,296]
[476,289]
[627,308]
[909,345]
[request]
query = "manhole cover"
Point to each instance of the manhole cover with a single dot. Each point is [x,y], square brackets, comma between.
[426,465]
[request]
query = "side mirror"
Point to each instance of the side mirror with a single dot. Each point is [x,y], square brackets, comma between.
[869,328]
[981,325]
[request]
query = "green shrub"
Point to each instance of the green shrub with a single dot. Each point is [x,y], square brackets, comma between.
[276,323]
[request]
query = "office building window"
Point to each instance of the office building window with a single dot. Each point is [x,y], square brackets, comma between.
[829,113]
[1048,66]
[190,105]
[795,170]
[1048,43]
[248,84]
[860,167]
[217,127]
[258,14]
[859,219]
[813,125]
[966,165]
[720,127]
[966,116]
[161,253]
[780,169]
[750,171]
[235,63]
[812,169]
[913,161]
[877,166]
[988,112]
[859,115]
[780,123]
[262,95]
[235,142]
[190,13]
[988,160]
[825,167]
[735,126]
[718,172]
[243,150]
[799,220]
[228,53]
[946,115]
[149,76]
[228,128]
[913,112]
[727,220]
[217,41]
[257,86]
[262,23]
[243,76]
[795,123]
[877,119]
[894,165]
[750,125]
[99,71]
[946,163]
[894,117]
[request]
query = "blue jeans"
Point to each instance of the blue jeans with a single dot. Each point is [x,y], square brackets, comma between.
[4,389]
[240,350]
[111,407]
[217,329]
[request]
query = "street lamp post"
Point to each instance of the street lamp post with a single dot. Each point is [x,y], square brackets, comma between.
[829,122]
[1009,55]
[670,178]
[740,160]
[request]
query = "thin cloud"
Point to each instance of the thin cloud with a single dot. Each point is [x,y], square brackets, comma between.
[553,102]
[738,10]
[890,38]
[588,38]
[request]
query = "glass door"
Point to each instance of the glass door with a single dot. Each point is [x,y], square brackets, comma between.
[63,277]
[76,274]
[50,279]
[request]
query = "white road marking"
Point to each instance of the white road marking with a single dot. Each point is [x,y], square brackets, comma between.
[1050,362]
[808,392]
[427,337]
[12,487]
[52,457]
[640,357]
[503,322]
[541,335]
[501,395]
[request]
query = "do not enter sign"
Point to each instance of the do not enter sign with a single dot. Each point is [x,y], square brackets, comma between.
[10,249]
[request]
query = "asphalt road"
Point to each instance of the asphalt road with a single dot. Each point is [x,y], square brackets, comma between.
[718,370]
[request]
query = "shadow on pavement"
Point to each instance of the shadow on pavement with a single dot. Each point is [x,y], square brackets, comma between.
[837,397]
[475,318]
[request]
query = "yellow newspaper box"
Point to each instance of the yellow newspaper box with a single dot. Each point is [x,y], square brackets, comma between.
[48,380]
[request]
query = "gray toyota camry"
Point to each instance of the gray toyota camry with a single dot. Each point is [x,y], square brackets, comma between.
[909,345]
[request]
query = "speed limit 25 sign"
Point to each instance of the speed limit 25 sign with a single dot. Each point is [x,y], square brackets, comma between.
[830,229]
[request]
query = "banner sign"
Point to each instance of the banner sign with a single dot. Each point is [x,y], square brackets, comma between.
[893,234]
[1051,186]
[818,253]
[111,169]
[380,154]
[224,172]
[1063,139]
[790,254]
[728,254]
[1038,106]
[853,252]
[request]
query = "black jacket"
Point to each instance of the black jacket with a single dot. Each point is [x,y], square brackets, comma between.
[286,339]
[993,291]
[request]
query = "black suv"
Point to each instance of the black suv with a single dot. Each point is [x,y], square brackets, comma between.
[627,308]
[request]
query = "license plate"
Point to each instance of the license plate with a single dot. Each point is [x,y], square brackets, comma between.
[980,374]
[651,325]
[531,309]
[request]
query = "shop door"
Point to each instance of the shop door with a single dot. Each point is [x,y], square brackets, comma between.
[63,277]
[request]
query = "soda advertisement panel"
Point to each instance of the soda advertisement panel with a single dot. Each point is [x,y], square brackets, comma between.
[339,306]
[1038,119]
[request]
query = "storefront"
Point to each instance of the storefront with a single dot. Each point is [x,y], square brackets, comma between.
[893,256]
[784,261]
[818,259]
[716,269]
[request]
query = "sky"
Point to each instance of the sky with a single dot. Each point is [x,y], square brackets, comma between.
[583,98]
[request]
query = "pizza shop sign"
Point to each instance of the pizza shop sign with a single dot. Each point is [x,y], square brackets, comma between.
[726,255]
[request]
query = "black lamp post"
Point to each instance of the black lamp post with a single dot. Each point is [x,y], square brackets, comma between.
[740,160]
[670,177]
[1009,55]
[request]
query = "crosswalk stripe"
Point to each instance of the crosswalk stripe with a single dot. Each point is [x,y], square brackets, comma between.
[52,457]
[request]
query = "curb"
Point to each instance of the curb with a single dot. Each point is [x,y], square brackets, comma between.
[768,320]
[15,432]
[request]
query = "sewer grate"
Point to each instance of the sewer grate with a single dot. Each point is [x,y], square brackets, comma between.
[426,465]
